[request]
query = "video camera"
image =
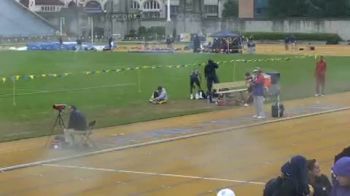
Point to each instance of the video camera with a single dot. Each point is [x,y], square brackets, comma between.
[59,107]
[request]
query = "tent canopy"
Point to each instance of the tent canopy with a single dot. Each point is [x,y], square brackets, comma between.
[225,34]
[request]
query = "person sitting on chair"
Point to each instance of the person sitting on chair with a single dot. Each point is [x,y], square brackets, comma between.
[159,96]
[77,122]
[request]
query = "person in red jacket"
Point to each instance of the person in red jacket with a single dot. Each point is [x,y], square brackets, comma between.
[320,74]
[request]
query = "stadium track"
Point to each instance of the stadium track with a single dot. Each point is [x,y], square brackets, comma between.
[219,153]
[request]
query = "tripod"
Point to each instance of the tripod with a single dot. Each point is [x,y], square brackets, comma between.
[59,123]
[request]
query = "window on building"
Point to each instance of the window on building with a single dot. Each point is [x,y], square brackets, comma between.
[174,10]
[151,5]
[211,10]
[135,5]
[151,15]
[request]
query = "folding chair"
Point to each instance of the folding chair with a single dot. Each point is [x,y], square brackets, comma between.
[85,135]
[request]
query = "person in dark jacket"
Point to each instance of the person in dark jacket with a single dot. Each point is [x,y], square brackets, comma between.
[211,77]
[344,153]
[195,80]
[77,122]
[319,182]
[293,180]
[341,172]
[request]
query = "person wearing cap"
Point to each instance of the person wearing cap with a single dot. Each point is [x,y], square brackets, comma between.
[341,172]
[226,192]
[258,94]
[77,122]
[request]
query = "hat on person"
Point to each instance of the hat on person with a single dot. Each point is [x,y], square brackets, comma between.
[342,167]
[256,69]
[73,107]
[226,192]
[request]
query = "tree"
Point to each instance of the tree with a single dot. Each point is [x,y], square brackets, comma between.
[308,8]
[230,9]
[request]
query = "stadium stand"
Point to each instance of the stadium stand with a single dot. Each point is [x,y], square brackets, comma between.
[17,21]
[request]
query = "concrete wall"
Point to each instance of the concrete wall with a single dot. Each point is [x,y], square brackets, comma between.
[341,27]
[194,24]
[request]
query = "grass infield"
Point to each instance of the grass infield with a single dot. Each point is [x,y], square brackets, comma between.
[113,88]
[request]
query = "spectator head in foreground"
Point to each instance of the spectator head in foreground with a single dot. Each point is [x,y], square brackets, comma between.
[226,192]
[341,170]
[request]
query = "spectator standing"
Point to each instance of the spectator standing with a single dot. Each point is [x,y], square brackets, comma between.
[341,172]
[249,83]
[110,43]
[319,182]
[195,80]
[211,77]
[169,42]
[320,75]
[258,94]
[196,44]
[286,43]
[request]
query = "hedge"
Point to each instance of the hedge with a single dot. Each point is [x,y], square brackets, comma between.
[329,38]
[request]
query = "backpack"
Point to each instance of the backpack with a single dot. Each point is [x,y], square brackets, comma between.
[273,186]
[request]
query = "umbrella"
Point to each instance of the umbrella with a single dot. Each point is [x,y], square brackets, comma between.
[225,34]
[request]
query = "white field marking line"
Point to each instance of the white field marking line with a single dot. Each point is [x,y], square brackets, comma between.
[67,90]
[215,131]
[153,174]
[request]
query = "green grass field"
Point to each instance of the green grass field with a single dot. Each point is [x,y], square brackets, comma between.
[101,86]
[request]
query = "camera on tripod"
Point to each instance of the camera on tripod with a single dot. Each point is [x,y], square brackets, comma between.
[59,107]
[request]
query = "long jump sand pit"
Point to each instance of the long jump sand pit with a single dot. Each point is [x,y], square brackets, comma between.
[327,50]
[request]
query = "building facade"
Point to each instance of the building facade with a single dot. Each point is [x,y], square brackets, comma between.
[122,16]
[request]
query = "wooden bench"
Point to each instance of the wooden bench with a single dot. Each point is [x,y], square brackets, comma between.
[226,88]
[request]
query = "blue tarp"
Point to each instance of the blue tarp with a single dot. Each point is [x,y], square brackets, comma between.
[223,34]
[57,46]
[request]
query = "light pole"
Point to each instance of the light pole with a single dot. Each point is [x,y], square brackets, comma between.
[91,23]
[62,21]
[168,12]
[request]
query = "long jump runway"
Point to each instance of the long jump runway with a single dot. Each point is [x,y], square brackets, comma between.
[218,152]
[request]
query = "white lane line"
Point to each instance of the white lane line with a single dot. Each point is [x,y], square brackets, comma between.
[68,90]
[214,131]
[153,174]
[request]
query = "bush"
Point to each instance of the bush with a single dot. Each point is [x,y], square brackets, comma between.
[329,38]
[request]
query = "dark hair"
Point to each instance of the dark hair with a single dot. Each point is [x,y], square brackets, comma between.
[73,107]
[311,164]
[247,74]
[159,87]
